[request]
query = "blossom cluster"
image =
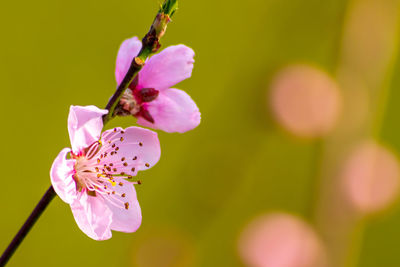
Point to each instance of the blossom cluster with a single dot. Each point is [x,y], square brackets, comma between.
[97,175]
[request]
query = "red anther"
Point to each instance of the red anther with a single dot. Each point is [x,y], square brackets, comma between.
[147,94]
[146,114]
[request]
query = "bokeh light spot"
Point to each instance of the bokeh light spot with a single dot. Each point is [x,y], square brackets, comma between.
[280,240]
[371,177]
[305,100]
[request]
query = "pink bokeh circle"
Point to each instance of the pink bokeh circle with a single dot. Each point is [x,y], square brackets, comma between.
[305,100]
[371,177]
[280,240]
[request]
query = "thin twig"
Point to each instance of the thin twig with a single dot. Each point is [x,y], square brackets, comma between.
[150,45]
[19,237]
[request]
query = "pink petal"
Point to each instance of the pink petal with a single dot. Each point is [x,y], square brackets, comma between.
[171,66]
[92,216]
[84,126]
[172,111]
[128,50]
[137,147]
[61,176]
[125,220]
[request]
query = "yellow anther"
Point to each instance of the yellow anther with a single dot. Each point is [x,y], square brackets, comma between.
[113,183]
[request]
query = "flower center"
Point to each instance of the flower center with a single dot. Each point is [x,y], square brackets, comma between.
[134,100]
[95,175]
[130,103]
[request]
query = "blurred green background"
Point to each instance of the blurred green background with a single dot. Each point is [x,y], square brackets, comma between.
[211,182]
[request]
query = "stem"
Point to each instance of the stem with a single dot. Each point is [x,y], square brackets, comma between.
[40,207]
[150,45]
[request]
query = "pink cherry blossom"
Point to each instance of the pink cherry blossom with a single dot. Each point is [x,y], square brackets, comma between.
[150,97]
[96,176]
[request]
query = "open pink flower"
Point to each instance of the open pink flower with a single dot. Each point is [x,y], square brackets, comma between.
[150,97]
[96,176]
